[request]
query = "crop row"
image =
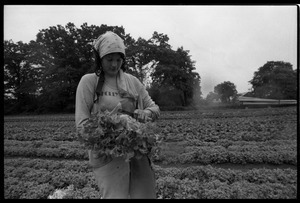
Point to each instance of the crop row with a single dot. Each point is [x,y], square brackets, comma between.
[195,114]
[274,152]
[236,129]
[229,113]
[27,131]
[248,129]
[236,154]
[46,148]
[38,178]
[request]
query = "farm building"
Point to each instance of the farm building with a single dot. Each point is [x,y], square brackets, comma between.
[254,101]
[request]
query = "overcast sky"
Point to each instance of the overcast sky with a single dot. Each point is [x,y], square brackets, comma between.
[227,43]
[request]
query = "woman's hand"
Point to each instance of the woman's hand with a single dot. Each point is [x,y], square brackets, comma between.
[142,115]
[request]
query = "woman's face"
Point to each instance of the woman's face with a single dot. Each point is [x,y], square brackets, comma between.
[111,63]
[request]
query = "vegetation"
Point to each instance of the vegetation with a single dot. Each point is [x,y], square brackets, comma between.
[42,76]
[223,154]
[226,91]
[275,80]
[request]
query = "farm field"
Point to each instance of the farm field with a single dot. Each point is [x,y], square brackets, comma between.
[205,154]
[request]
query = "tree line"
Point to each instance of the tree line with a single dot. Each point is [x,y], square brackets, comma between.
[273,80]
[42,76]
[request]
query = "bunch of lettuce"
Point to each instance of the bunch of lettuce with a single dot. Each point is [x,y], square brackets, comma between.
[118,135]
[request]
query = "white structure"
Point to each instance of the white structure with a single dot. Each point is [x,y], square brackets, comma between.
[260,101]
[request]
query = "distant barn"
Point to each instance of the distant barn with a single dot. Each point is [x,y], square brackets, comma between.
[254,101]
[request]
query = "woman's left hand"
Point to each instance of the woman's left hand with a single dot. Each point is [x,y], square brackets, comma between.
[142,115]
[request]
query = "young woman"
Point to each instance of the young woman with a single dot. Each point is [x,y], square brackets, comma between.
[108,87]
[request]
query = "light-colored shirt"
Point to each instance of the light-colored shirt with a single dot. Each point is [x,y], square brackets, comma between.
[127,85]
[108,99]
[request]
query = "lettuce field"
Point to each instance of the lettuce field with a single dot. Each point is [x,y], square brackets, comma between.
[205,154]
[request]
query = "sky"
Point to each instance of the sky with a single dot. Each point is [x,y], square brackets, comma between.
[227,43]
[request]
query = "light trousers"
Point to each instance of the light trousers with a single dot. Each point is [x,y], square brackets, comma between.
[120,179]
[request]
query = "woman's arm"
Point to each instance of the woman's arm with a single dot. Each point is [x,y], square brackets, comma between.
[84,100]
[148,103]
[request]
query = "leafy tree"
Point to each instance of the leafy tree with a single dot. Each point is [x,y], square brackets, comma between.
[275,80]
[67,52]
[226,91]
[141,59]
[70,49]
[176,69]
[166,95]
[163,69]
[21,77]
[211,96]
[187,80]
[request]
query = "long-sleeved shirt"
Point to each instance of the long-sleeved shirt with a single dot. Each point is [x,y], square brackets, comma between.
[127,85]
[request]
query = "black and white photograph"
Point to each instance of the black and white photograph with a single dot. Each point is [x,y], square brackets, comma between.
[150,101]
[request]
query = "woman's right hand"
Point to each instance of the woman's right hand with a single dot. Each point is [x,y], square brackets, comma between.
[142,115]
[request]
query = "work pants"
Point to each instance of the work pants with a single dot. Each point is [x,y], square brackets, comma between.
[120,179]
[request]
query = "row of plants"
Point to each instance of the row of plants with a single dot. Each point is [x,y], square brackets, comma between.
[46,149]
[280,152]
[229,113]
[25,130]
[236,154]
[236,129]
[39,178]
[248,129]
[219,113]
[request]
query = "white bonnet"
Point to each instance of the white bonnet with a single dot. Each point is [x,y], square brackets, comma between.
[109,42]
